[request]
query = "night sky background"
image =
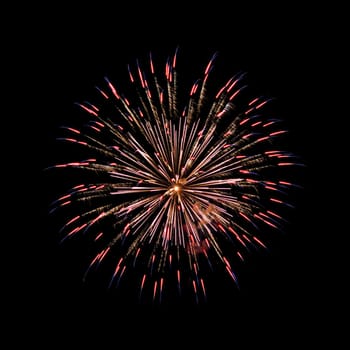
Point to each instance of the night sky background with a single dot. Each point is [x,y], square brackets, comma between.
[284,295]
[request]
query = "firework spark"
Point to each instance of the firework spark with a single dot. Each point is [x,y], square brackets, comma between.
[184,188]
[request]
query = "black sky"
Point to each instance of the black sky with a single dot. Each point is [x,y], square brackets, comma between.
[68,53]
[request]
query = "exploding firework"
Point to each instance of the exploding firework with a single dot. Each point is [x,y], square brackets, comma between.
[186,183]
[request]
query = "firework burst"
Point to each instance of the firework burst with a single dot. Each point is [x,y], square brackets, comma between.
[180,189]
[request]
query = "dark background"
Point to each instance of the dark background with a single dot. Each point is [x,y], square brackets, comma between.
[285,295]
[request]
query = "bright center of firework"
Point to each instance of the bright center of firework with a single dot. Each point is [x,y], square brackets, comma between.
[177,186]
